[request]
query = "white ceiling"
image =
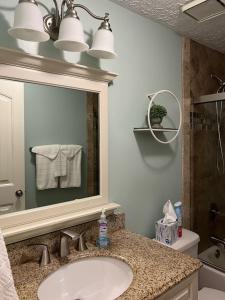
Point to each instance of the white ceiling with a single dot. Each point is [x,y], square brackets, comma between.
[210,33]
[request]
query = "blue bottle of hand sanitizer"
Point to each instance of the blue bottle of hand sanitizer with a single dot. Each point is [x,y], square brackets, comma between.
[103,240]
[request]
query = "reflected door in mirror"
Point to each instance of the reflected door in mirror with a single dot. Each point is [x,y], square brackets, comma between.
[12,175]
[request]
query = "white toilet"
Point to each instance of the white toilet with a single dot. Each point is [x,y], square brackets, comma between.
[189,244]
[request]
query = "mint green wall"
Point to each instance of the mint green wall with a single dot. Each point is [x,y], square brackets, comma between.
[142,173]
[53,115]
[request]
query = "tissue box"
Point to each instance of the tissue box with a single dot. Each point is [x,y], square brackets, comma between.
[166,233]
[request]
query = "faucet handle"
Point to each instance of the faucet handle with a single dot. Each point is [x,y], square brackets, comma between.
[82,242]
[45,255]
[64,245]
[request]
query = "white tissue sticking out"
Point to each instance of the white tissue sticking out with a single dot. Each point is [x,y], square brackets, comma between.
[169,213]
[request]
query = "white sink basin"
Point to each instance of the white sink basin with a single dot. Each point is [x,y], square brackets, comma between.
[93,278]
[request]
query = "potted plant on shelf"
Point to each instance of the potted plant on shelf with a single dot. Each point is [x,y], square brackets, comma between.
[157,113]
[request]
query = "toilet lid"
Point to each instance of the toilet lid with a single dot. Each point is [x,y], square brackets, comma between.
[189,239]
[209,294]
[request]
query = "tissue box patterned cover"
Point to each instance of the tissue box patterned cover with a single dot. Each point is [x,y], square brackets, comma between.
[166,233]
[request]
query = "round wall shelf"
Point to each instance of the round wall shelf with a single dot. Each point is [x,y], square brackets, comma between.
[152,98]
[153,131]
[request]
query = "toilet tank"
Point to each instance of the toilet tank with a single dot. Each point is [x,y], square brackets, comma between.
[188,243]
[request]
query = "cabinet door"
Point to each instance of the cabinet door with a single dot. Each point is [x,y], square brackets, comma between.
[12,174]
[187,289]
[184,294]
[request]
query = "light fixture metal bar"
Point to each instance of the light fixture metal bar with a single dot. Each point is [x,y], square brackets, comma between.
[104,25]
[57,15]
[71,5]
[106,17]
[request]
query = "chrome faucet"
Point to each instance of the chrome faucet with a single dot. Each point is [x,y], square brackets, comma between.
[79,242]
[44,259]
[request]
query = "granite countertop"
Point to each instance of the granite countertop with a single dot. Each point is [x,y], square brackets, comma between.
[156,268]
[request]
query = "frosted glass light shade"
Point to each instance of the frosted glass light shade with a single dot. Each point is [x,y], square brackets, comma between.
[71,36]
[103,45]
[28,23]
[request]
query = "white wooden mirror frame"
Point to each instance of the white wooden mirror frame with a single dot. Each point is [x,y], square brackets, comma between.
[24,67]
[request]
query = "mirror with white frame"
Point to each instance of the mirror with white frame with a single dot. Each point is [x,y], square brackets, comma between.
[48,214]
[49,139]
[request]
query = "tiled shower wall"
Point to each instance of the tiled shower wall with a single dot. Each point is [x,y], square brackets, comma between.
[204,185]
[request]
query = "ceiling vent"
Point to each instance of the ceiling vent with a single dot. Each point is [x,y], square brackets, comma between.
[203,10]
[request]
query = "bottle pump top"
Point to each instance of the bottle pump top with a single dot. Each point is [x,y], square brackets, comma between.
[103,216]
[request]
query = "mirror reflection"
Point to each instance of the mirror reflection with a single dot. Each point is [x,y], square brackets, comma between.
[49,145]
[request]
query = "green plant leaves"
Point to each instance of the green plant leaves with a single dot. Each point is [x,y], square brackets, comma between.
[158,111]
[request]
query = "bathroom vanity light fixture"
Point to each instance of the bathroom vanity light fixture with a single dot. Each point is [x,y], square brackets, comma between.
[63,27]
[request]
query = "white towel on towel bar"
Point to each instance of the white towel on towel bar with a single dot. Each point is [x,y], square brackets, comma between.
[71,157]
[7,288]
[48,166]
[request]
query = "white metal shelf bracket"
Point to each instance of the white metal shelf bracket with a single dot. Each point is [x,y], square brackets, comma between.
[152,97]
